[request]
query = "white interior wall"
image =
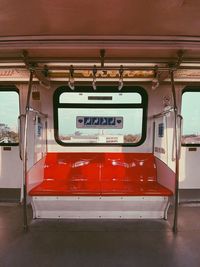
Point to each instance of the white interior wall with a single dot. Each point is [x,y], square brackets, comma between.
[164,146]
[10,168]
[189,162]
[10,162]
[36,145]
[11,165]
[54,147]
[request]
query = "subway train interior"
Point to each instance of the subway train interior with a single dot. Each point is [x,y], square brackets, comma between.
[99,133]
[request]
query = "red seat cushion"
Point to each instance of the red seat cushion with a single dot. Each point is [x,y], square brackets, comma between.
[61,188]
[91,174]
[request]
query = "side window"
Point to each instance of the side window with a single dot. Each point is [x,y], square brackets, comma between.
[191,117]
[104,117]
[9,112]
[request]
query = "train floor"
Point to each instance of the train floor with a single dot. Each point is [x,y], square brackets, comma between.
[99,243]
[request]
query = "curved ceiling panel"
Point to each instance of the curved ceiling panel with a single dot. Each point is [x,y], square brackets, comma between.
[80,28]
[100,18]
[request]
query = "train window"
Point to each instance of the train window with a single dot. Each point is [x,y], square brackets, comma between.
[9,112]
[191,118]
[106,116]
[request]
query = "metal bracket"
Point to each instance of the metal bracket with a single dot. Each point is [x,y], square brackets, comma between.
[180,58]
[41,75]
[175,65]
[163,75]
[102,57]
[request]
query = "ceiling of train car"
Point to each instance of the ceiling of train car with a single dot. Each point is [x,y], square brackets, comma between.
[75,31]
[79,28]
[100,18]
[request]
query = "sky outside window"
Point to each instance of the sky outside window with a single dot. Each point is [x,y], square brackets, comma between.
[131,117]
[9,112]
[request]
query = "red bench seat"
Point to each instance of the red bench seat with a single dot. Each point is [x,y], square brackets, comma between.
[100,174]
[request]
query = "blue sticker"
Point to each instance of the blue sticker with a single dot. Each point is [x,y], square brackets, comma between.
[103,121]
[87,121]
[111,121]
[95,121]
[161,129]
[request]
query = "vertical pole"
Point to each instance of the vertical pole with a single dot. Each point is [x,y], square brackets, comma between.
[25,221]
[153,139]
[175,227]
[46,127]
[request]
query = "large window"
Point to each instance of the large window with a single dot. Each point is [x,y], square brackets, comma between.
[9,112]
[106,116]
[191,117]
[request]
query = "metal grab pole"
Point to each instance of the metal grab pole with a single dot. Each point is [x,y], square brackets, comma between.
[25,153]
[153,139]
[180,135]
[20,134]
[175,228]
[46,127]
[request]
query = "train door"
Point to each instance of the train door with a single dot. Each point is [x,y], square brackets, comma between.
[190,154]
[10,162]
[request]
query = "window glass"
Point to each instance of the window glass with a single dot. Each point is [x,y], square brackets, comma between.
[104,126]
[100,117]
[9,112]
[191,117]
[104,97]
